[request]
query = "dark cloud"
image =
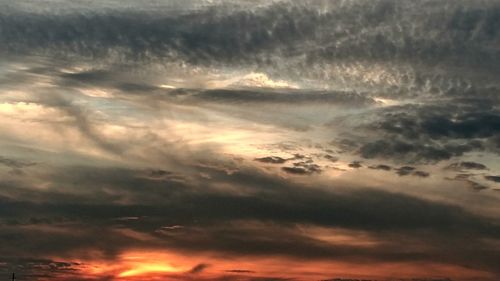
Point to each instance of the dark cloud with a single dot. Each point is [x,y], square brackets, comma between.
[408,170]
[404,82]
[331,158]
[467,178]
[159,173]
[355,164]
[272,160]
[415,152]
[289,96]
[405,170]
[240,271]
[199,268]
[244,277]
[95,77]
[319,207]
[381,167]
[307,166]
[299,156]
[493,178]
[413,279]
[296,170]
[463,176]
[115,78]
[225,222]
[433,131]
[467,165]
[473,125]
[421,174]
[232,34]
[345,279]
[476,186]
[345,144]
[33,268]
[14,163]
[416,136]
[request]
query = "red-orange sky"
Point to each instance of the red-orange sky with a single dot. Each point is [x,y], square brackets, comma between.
[153,265]
[245,140]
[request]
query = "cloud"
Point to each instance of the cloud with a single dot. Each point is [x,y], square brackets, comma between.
[469,180]
[408,170]
[414,152]
[303,167]
[331,158]
[230,33]
[290,96]
[81,120]
[239,271]
[421,174]
[476,186]
[473,125]
[165,117]
[320,207]
[199,268]
[259,223]
[355,164]
[272,160]
[405,170]
[432,132]
[467,165]
[30,268]
[16,164]
[493,178]
[381,167]
[296,170]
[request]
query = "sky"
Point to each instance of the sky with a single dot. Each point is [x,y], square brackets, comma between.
[262,140]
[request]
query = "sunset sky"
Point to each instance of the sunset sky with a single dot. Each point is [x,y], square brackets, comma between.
[249,140]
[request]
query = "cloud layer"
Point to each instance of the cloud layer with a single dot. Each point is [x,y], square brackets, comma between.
[249,140]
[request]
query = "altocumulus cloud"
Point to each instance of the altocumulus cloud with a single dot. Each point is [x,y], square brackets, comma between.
[249,140]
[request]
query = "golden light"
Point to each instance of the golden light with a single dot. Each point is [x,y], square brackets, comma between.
[146,265]
[149,268]
[150,263]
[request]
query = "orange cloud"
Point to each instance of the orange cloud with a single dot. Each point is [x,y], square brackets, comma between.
[146,265]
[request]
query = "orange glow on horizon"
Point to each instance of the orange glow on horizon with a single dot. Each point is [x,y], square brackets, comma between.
[146,265]
[149,268]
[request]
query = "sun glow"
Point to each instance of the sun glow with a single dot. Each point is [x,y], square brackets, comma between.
[149,268]
[141,264]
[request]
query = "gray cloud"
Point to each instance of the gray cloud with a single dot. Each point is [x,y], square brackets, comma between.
[290,96]
[218,221]
[230,34]
[81,119]
[414,151]
[467,165]
[381,167]
[271,159]
[29,268]
[405,170]
[421,174]
[355,164]
[493,178]
[16,164]
[432,133]
[399,82]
